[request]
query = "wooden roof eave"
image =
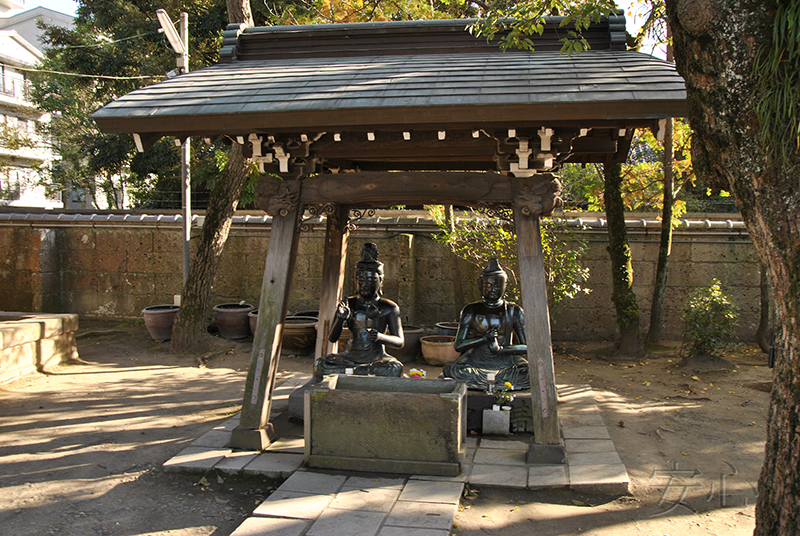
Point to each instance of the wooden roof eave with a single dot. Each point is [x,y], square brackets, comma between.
[625,114]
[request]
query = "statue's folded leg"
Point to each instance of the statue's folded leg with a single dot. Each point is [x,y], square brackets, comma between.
[330,364]
[388,366]
[334,364]
[517,375]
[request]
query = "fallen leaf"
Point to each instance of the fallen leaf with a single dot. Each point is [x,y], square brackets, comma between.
[695,378]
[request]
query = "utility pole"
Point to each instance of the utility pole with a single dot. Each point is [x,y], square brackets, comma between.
[180,44]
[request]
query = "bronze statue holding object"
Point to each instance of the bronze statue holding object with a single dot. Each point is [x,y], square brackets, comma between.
[373,322]
[491,338]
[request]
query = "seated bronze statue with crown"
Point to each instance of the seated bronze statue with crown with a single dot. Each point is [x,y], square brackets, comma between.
[491,338]
[373,322]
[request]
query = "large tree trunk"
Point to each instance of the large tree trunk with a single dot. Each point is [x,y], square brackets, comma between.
[715,44]
[189,331]
[665,247]
[630,339]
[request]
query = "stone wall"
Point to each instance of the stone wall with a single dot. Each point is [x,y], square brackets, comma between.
[109,268]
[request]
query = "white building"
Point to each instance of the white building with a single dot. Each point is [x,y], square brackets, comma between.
[22,150]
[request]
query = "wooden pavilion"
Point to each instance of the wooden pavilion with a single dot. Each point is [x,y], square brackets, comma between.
[360,116]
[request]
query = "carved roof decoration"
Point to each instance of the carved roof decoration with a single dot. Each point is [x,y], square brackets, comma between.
[419,95]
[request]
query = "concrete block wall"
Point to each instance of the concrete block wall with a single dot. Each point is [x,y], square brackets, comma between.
[119,269]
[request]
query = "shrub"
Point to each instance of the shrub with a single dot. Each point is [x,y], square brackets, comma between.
[486,234]
[709,319]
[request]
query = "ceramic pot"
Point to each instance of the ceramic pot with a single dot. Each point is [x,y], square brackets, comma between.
[252,318]
[232,321]
[158,319]
[412,347]
[299,334]
[447,328]
[438,350]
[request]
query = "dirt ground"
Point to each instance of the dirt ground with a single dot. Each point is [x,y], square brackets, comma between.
[81,447]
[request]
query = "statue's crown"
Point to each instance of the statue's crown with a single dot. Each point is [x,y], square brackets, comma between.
[369,258]
[492,269]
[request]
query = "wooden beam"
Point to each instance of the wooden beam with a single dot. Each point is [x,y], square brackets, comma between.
[254,431]
[333,266]
[537,329]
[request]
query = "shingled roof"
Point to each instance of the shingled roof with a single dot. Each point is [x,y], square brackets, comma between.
[421,76]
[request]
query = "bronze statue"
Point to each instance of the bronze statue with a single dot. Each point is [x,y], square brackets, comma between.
[491,338]
[368,316]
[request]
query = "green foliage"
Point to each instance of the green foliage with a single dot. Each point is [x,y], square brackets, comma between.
[776,72]
[484,235]
[709,319]
[642,176]
[523,19]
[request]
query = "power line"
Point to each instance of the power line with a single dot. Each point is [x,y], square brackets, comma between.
[102,76]
[109,42]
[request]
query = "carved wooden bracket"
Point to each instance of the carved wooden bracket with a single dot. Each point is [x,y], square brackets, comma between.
[277,197]
[538,195]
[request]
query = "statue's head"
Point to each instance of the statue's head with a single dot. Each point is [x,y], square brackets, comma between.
[369,271]
[492,282]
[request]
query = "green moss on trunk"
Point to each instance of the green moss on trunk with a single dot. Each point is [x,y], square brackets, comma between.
[627,309]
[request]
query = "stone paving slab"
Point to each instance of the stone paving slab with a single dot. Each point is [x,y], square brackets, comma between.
[295,445]
[228,425]
[272,526]
[274,465]
[294,505]
[366,500]
[500,457]
[235,462]
[578,420]
[507,476]
[547,476]
[461,477]
[585,432]
[405,531]
[346,523]
[313,483]
[594,458]
[422,515]
[500,444]
[193,459]
[610,479]
[575,446]
[432,491]
[361,482]
[214,438]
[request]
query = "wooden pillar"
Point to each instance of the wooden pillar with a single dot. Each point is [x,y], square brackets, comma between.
[333,264]
[537,329]
[254,431]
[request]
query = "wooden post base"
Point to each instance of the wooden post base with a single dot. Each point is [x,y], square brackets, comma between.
[247,439]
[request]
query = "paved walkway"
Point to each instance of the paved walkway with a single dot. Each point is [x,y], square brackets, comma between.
[313,503]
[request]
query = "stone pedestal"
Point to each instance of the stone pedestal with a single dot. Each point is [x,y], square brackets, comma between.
[389,425]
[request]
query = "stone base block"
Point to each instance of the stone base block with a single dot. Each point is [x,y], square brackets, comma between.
[496,422]
[546,454]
